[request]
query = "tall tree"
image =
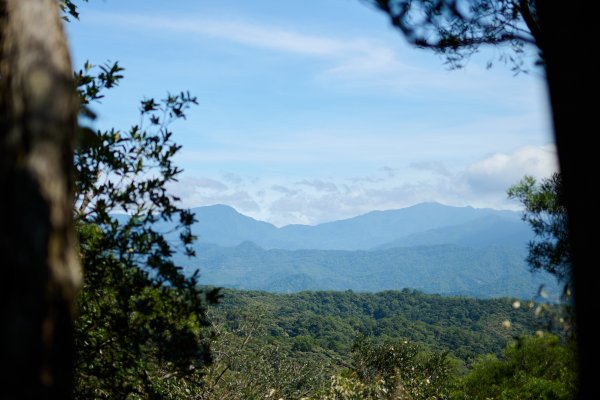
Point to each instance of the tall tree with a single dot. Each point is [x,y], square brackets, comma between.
[532,367]
[41,273]
[565,37]
[141,331]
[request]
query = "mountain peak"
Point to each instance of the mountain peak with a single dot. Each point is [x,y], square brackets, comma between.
[223,225]
[428,204]
[248,245]
[218,207]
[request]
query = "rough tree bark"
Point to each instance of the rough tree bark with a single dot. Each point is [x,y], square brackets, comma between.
[40,267]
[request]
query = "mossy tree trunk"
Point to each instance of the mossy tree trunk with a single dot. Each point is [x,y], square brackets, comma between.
[39,262]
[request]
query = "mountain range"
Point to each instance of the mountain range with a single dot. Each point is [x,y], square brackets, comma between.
[425,223]
[430,247]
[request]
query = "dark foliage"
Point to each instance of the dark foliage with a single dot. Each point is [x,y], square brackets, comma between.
[457,28]
[141,320]
[546,213]
[327,323]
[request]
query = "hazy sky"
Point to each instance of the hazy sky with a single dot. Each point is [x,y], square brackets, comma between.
[317,110]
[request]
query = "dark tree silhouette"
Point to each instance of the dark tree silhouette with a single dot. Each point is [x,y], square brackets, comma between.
[40,266]
[139,328]
[565,38]
[456,29]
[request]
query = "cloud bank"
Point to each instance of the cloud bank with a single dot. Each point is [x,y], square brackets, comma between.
[313,200]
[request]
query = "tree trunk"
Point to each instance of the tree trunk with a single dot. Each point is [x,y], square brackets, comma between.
[573,83]
[40,267]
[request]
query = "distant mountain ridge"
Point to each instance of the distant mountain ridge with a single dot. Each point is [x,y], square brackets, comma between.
[224,226]
[490,230]
[429,247]
[442,269]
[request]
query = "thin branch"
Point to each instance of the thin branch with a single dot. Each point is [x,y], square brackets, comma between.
[531,23]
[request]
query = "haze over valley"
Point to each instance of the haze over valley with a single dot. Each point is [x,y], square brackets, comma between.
[429,247]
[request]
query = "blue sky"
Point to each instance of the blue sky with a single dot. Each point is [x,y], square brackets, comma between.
[317,110]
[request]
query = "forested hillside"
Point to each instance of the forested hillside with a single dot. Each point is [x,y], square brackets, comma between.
[330,321]
[443,269]
[429,247]
[346,345]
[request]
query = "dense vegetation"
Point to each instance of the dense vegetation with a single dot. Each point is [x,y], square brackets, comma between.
[344,345]
[531,368]
[323,322]
[141,326]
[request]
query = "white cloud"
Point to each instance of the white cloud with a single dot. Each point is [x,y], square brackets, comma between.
[312,200]
[499,171]
[247,33]
[208,184]
[360,54]
[319,185]
[233,178]
[284,190]
[202,191]
[356,61]
[391,172]
[432,166]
